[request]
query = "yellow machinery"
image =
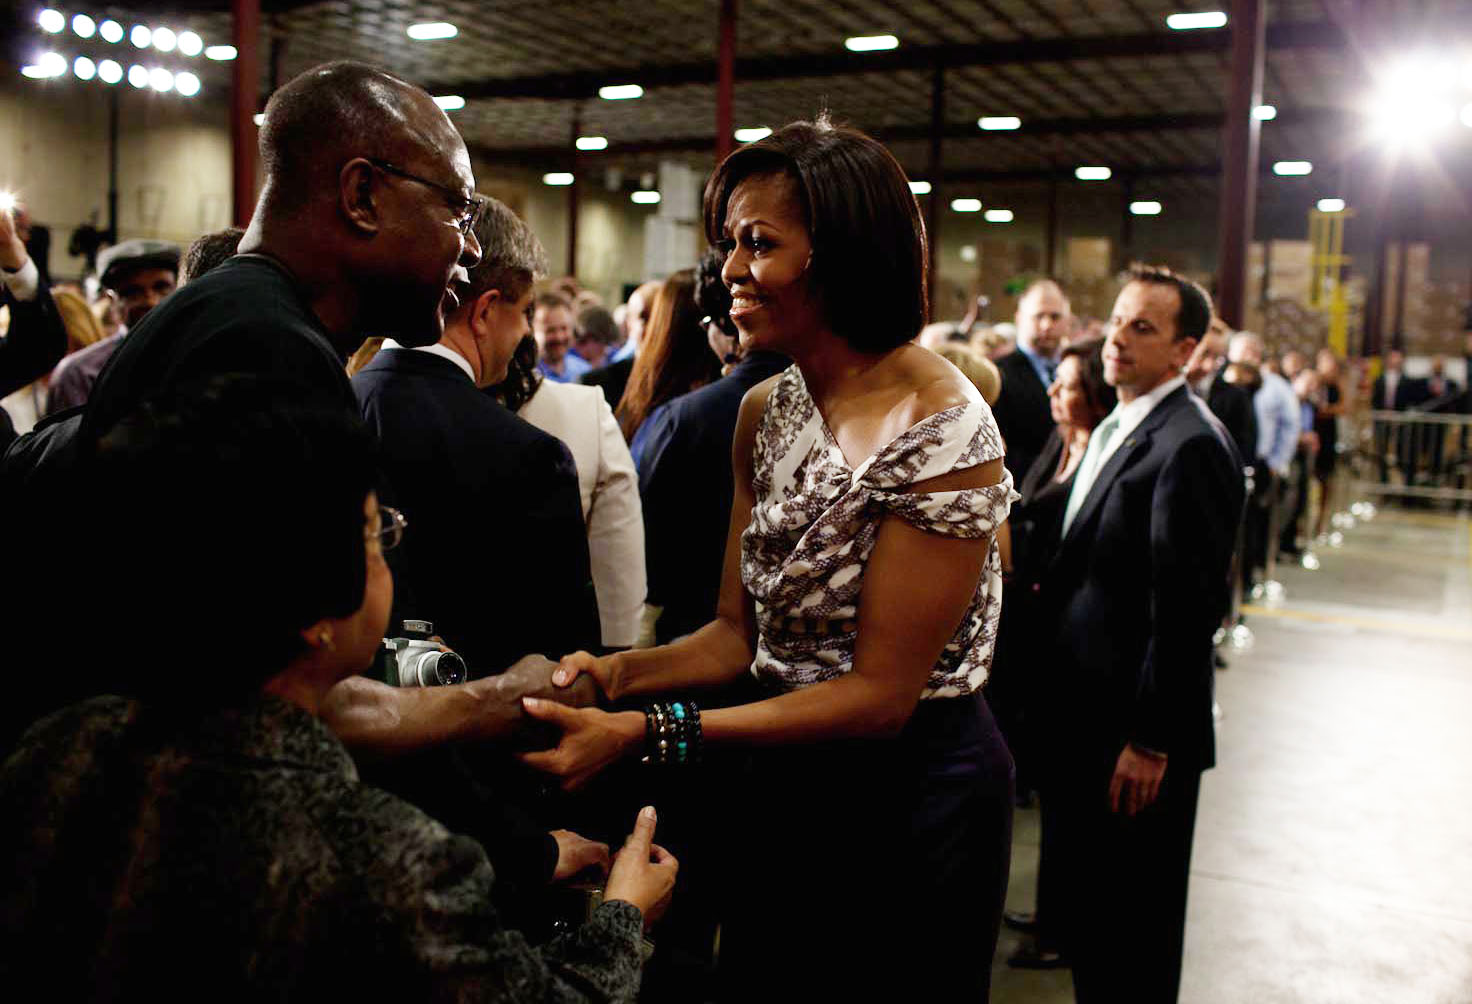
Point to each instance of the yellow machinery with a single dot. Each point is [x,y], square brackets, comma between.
[1326,286]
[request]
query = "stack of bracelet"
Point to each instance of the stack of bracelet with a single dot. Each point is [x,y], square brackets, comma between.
[672,732]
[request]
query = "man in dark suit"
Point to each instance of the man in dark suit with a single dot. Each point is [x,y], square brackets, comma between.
[495,553]
[1232,405]
[36,338]
[1394,391]
[1022,411]
[1137,589]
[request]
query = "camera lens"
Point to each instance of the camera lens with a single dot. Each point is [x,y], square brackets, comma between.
[440,669]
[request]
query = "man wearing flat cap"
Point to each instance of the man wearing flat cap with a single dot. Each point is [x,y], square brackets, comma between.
[141,274]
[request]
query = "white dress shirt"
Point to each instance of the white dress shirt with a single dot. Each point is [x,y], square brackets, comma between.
[444,352]
[609,486]
[1106,440]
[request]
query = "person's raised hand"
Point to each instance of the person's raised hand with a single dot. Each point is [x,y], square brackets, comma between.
[12,249]
[643,872]
[576,853]
[591,740]
[602,670]
[1136,781]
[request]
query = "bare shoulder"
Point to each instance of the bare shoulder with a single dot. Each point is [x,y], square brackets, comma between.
[937,385]
[749,419]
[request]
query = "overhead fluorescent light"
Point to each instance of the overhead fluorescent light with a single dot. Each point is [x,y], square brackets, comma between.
[1191,20]
[997,216]
[1093,172]
[999,123]
[871,43]
[449,102]
[34,72]
[753,134]
[84,26]
[644,198]
[259,118]
[1331,205]
[161,79]
[557,178]
[164,39]
[592,143]
[190,44]
[620,92]
[52,21]
[430,30]
[140,36]
[186,84]
[138,76]
[53,64]
[966,205]
[83,68]
[110,31]
[1145,207]
[920,187]
[1265,113]
[220,52]
[109,71]
[1292,168]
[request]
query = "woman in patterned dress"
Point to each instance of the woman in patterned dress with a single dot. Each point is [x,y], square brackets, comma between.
[862,590]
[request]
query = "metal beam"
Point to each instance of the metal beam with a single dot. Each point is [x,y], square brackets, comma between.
[1240,146]
[932,206]
[245,76]
[726,81]
[585,83]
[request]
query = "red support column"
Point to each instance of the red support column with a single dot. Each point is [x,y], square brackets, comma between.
[933,200]
[572,193]
[1239,167]
[244,96]
[726,82]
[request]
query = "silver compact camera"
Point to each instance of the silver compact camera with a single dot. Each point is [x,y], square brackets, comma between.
[415,661]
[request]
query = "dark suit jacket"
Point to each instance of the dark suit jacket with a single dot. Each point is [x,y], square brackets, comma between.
[1137,588]
[35,342]
[1232,406]
[1022,413]
[611,379]
[495,553]
[1409,392]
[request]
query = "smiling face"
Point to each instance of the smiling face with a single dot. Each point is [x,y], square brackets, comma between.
[552,327]
[766,270]
[142,290]
[1141,351]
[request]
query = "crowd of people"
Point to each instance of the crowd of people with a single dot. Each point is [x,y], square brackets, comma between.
[756,556]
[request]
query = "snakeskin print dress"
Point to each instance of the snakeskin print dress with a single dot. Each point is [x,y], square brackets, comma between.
[814,525]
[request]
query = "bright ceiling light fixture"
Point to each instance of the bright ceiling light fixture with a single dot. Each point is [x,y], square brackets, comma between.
[109,71]
[220,53]
[966,205]
[644,198]
[110,31]
[83,68]
[1145,207]
[1415,99]
[140,36]
[871,43]
[1265,113]
[620,92]
[259,118]
[997,216]
[186,84]
[592,143]
[1292,168]
[84,26]
[1092,172]
[449,102]
[753,134]
[1192,20]
[138,76]
[164,39]
[1331,205]
[920,188]
[999,123]
[53,63]
[430,30]
[161,80]
[190,44]
[557,179]
[52,21]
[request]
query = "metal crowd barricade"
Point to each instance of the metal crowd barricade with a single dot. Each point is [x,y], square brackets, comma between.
[1414,454]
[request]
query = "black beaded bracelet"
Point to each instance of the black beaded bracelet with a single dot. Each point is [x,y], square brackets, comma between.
[672,732]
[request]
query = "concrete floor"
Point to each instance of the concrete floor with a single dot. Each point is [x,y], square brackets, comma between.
[1333,854]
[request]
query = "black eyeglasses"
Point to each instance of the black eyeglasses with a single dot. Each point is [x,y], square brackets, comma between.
[467,211]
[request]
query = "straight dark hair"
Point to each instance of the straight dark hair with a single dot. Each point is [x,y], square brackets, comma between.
[1194,316]
[869,246]
[1090,354]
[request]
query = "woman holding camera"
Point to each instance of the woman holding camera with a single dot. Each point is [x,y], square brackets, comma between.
[207,834]
[861,591]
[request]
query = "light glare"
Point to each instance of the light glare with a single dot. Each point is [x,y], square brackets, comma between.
[259,118]
[186,84]
[1265,113]
[84,26]
[1145,207]
[966,205]
[998,123]
[83,68]
[221,53]
[557,178]
[1189,21]
[1331,205]
[110,31]
[190,44]
[592,143]
[109,71]
[998,216]
[450,102]
[644,198]
[7,202]
[1292,168]
[753,134]
[871,43]
[161,80]
[920,187]
[53,64]
[51,21]
[430,30]
[1093,172]
[620,92]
